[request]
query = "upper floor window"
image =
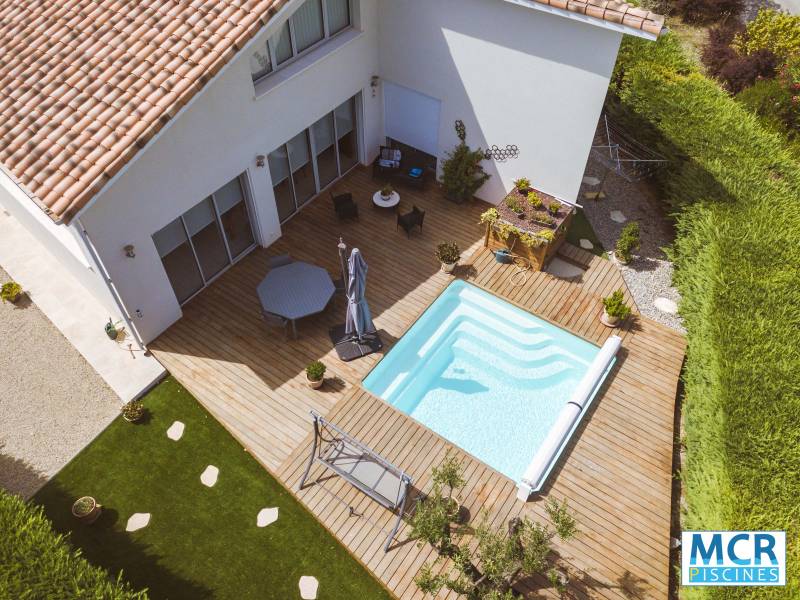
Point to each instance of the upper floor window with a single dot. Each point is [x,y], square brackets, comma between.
[313,22]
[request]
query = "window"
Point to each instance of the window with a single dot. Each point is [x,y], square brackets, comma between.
[314,158]
[205,240]
[313,22]
[338,12]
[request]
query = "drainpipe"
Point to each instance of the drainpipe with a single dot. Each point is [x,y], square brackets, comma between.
[109,284]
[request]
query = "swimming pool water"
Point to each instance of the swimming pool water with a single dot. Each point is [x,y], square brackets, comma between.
[484,374]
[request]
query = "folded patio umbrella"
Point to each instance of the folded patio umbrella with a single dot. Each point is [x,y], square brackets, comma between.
[357,336]
[359,319]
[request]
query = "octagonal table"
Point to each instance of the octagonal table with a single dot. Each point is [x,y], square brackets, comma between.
[296,290]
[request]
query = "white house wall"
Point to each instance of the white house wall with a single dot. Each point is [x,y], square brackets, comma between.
[61,241]
[218,137]
[512,74]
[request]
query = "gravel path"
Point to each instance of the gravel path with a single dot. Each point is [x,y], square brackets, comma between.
[649,274]
[52,403]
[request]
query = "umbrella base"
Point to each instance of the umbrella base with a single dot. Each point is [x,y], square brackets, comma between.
[349,348]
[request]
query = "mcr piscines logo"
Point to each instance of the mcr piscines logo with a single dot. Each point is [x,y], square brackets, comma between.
[743,558]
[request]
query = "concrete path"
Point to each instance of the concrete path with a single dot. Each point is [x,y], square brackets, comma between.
[52,402]
[74,312]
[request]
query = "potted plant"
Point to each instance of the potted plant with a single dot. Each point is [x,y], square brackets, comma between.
[614,309]
[523,185]
[386,191]
[628,241]
[111,330]
[462,173]
[534,200]
[448,254]
[516,206]
[86,510]
[553,208]
[133,411]
[315,373]
[11,291]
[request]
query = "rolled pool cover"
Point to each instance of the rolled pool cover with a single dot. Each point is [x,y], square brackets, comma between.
[568,419]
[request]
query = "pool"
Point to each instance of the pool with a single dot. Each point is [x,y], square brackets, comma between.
[488,376]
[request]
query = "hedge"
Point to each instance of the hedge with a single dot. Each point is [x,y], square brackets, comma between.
[36,562]
[735,192]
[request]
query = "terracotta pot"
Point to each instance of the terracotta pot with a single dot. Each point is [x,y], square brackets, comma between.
[608,320]
[448,268]
[92,515]
[314,384]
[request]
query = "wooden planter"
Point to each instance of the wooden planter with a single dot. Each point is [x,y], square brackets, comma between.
[538,256]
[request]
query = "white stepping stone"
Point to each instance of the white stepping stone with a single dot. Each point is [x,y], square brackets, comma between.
[175,431]
[617,216]
[209,476]
[666,305]
[267,516]
[138,521]
[308,587]
[586,244]
[589,180]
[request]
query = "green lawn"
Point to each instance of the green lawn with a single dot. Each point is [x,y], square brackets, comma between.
[201,542]
[581,228]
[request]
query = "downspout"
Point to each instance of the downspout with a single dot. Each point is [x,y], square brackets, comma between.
[101,270]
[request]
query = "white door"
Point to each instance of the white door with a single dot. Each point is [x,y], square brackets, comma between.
[412,117]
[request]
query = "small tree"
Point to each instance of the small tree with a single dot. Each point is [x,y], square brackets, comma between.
[436,512]
[462,173]
[505,557]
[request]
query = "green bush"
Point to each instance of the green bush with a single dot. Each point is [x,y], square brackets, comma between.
[628,241]
[737,263]
[316,370]
[772,30]
[462,173]
[36,562]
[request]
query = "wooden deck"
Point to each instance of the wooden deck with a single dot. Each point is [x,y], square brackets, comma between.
[616,472]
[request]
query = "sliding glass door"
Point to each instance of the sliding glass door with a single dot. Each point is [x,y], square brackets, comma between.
[314,158]
[205,240]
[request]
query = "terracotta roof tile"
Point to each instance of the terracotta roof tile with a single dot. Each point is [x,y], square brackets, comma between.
[84,84]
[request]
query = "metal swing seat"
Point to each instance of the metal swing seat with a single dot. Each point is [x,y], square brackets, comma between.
[361,467]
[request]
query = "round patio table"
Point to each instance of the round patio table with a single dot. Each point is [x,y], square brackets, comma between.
[296,290]
[393,200]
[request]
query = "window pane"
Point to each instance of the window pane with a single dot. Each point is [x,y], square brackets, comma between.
[234,216]
[326,153]
[338,15]
[281,184]
[178,260]
[345,118]
[302,172]
[346,131]
[284,200]
[260,64]
[278,165]
[201,222]
[307,23]
[283,44]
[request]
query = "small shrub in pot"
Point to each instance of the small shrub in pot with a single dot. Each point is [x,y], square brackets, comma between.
[615,309]
[315,373]
[10,291]
[448,253]
[86,510]
[133,411]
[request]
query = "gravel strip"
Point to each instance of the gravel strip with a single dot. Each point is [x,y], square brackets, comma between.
[649,274]
[52,403]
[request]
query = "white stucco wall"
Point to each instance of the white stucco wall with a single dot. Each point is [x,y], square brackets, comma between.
[513,74]
[214,140]
[63,242]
